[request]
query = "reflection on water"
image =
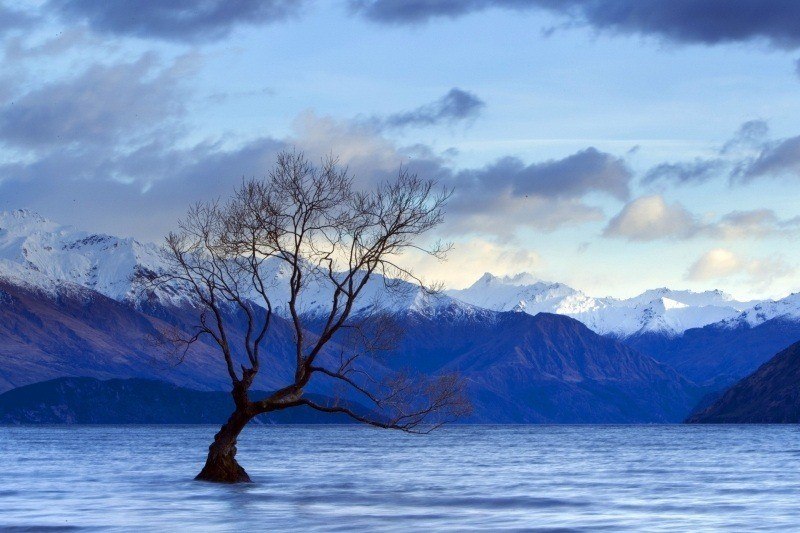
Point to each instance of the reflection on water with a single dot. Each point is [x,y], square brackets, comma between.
[345,478]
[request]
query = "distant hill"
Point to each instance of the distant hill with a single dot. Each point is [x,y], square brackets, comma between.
[73,331]
[519,368]
[544,369]
[133,401]
[719,355]
[771,395]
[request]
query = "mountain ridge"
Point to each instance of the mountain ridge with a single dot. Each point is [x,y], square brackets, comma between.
[660,310]
[39,252]
[770,395]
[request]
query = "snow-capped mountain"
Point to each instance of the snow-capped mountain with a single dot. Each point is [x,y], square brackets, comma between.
[40,253]
[786,308]
[37,252]
[659,310]
[395,297]
[98,326]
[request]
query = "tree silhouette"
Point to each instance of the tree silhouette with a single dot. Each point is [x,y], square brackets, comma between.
[328,235]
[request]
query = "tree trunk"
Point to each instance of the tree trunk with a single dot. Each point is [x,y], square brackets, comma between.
[221,465]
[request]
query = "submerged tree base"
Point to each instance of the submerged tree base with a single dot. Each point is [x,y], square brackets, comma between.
[223,470]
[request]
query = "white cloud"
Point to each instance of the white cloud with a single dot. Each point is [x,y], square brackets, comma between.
[720,263]
[715,264]
[469,259]
[755,223]
[649,218]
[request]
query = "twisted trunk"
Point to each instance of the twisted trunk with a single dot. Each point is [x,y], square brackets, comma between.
[221,465]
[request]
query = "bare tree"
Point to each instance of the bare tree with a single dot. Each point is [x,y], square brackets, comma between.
[328,235]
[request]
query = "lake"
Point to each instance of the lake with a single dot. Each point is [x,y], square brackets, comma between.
[344,478]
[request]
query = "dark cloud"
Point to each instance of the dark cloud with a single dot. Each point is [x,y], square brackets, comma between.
[496,199]
[117,188]
[685,21]
[16,48]
[750,134]
[13,19]
[147,189]
[778,158]
[98,106]
[455,106]
[416,11]
[589,170]
[747,156]
[731,159]
[507,195]
[175,20]
[108,149]
[696,171]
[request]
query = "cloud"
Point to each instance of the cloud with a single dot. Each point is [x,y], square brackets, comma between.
[155,180]
[508,194]
[750,135]
[683,21]
[752,224]
[649,218]
[585,171]
[100,105]
[456,105]
[369,155]
[147,189]
[16,48]
[748,156]
[221,97]
[497,199]
[778,158]
[696,171]
[13,19]
[470,258]
[501,215]
[418,11]
[174,20]
[721,263]
[715,264]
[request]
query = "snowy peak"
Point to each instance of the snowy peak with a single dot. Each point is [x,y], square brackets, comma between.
[668,303]
[44,254]
[521,279]
[690,298]
[36,250]
[787,308]
[25,221]
[661,310]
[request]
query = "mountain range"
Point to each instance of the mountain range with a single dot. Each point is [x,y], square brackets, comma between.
[531,351]
[663,311]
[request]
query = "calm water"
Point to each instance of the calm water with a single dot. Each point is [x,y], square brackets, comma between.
[330,478]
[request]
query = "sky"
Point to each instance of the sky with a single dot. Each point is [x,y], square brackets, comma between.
[612,145]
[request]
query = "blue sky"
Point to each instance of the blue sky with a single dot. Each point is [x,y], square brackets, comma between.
[614,146]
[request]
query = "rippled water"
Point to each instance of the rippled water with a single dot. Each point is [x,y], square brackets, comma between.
[346,478]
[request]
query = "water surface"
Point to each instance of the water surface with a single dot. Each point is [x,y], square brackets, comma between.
[344,478]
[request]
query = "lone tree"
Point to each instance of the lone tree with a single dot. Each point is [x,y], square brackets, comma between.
[331,239]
